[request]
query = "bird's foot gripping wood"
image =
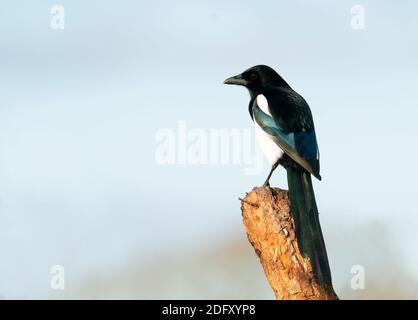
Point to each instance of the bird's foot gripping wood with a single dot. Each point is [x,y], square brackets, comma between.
[270,190]
[271,231]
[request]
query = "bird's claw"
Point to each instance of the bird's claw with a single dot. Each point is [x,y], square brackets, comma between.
[270,190]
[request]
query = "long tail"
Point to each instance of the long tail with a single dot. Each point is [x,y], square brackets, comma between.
[306,217]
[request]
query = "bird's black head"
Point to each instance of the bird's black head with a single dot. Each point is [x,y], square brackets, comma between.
[258,78]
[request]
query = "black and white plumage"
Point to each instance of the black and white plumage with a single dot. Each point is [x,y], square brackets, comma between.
[286,134]
[271,150]
[288,115]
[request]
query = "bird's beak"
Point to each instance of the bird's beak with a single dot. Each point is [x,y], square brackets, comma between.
[238,80]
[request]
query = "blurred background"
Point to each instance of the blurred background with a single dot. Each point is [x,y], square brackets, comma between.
[81,109]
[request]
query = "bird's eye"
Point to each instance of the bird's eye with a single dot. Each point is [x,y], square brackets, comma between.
[253,76]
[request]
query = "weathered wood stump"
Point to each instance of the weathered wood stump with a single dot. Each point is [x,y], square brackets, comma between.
[271,231]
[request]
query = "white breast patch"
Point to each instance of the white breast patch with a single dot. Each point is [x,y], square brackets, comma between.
[270,149]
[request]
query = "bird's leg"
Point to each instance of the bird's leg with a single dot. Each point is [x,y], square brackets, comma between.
[267,182]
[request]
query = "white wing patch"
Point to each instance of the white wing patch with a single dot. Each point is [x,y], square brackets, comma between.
[270,149]
[263,104]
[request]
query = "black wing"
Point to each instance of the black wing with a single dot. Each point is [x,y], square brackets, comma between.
[292,118]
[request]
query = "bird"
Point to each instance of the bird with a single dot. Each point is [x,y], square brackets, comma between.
[285,131]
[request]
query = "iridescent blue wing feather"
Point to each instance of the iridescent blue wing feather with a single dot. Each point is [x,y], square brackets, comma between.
[301,147]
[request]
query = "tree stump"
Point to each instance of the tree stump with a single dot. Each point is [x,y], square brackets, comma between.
[271,231]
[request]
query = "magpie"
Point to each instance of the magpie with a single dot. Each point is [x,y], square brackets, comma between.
[286,134]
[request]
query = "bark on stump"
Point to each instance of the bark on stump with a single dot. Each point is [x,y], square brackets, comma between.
[271,231]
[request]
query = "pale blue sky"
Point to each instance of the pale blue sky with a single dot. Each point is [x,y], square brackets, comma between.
[79,110]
